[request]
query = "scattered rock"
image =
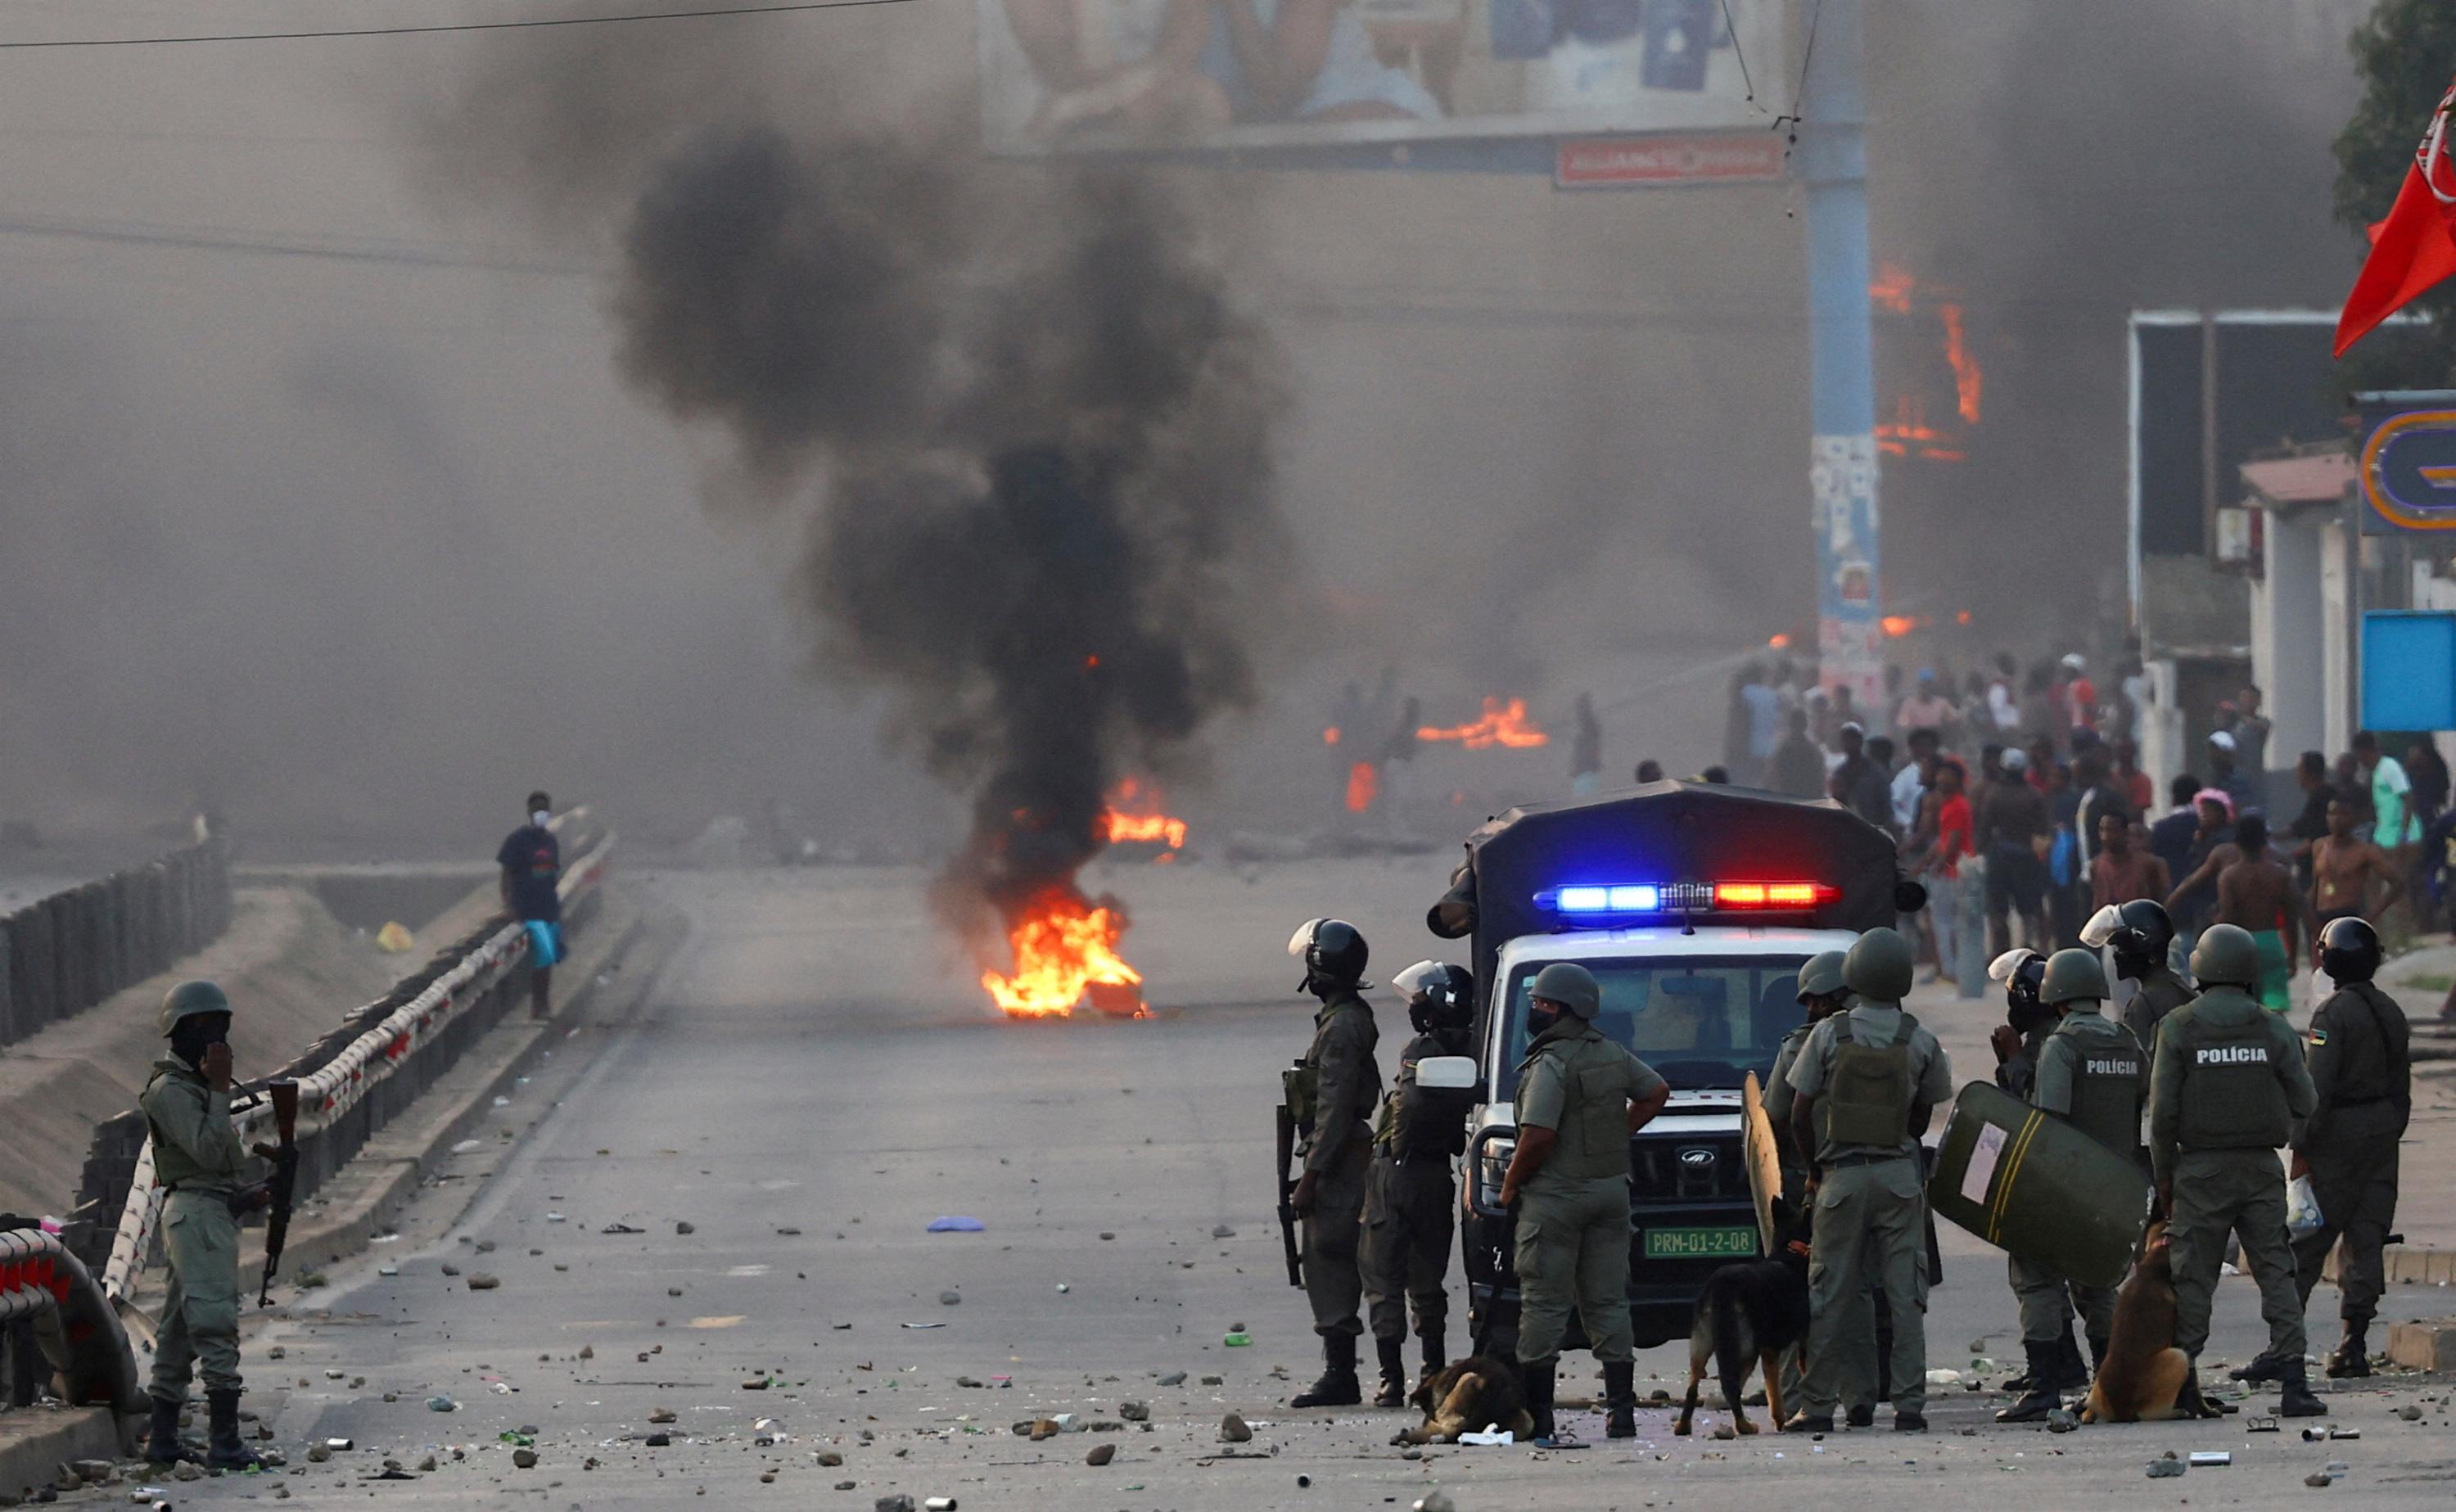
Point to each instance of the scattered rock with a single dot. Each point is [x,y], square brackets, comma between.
[755,1383]
[485,1245]
[426,1465]
[790,1234]
[2319,1480]
[898,1503]
[2062,1421]
[1101,1454]
[482,1281]
[1436,1501]
[662,1415]
[449,1269]
[673,1291]
[318,1454]
[1232,1429]
[951,1298]
[589,1351]
[685,1228]
[1221,1231]
[658,1441]
[844,1485]
[1108,1236]
[1175,1378]
[1213,1381]
[1134,1411]
[1725,1432]
[524,1459]
[187,1470]
[830,1458]
[2163,1469]
[2409,1412]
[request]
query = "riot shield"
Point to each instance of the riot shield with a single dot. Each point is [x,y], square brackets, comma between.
[1763,1159]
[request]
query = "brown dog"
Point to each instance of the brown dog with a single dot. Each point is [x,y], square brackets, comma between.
[2144,1376]
[1468,1394]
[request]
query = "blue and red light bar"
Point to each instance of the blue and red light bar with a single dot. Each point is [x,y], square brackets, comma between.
[1605,900]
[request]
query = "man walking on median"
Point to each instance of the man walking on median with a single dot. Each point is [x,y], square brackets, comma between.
[531,860]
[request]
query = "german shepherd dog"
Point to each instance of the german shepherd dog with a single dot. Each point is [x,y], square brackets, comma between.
[1751,1311]
[2144,1377]
[1465,1396]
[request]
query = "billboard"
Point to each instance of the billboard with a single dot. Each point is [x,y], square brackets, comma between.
[1095,75]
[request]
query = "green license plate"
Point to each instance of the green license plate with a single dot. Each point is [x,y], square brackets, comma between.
[1697,1244]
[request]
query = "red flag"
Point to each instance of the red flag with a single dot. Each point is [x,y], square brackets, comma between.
[2414,249]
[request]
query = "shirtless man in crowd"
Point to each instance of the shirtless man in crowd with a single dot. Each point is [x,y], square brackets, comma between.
[2343,867]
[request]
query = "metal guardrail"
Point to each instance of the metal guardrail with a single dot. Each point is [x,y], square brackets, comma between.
[74,1324]
[402,1042]
[62,954]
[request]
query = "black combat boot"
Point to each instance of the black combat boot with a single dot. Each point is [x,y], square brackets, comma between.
[1337,1386]
[2294,1396]
[2353,1355]
[1620,1400]
[2261,1370]
[2065,1370]
[2193,1402]
[2096,1354]
[1806,1421]
[223,1450]
[2041,1397]
[1909,1421]
[1437,1353]
[162,1445]
[1537,1378]
[1393,1372]
[1862,1415]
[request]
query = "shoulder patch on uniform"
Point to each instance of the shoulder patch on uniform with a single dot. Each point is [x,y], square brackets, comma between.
[2318,1035]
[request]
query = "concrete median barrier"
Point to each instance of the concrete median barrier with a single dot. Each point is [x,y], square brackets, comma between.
[63,955]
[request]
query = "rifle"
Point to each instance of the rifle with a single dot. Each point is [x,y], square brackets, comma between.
[285,1180]
[1287,1142]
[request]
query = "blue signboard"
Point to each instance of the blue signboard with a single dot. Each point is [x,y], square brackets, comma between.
[2409,669]
[2408,469]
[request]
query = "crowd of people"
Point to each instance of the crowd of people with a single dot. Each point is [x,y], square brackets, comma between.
[2019,801]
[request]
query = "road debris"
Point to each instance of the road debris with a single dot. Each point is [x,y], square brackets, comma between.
[1100,1454]
[1233,1429]
[483,1281]
[955,1224]
[2166,1468]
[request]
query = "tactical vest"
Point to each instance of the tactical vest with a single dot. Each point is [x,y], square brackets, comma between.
[1869,1090]
[1598,1080]
[1422,1122]
[173,1166]
[2231,1095]
[2107,1075]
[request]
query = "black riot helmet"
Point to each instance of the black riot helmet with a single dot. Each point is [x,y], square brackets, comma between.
[1333,952]
[1441,998]
[2138,932]
[2349,951]
[2022,972]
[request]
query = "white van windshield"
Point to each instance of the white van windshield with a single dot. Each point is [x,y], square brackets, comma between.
[1702,1022]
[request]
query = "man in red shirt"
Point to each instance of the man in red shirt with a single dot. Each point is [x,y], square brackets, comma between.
[1942,867]
[2080,694]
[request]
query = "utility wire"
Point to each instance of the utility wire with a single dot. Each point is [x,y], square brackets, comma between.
[440,28]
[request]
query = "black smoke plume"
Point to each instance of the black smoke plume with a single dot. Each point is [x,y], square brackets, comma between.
[1032,443]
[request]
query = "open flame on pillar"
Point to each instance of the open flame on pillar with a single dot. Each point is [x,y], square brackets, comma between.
[1138,812]
[1065,948]
[1363,785]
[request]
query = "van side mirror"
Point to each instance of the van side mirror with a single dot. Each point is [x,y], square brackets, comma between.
[1909,896]
[1447,1073]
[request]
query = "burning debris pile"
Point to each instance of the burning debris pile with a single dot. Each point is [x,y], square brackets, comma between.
[1033,444]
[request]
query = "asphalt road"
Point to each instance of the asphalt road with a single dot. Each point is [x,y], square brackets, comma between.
[812,1082]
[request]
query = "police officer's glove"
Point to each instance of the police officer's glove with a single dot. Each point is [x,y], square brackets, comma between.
[250,1200]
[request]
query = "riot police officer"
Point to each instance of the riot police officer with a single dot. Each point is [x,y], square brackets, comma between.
[2138,935]
[198,1160]
[1823,996]
[1579,1096]
[2017,1043]
[1332,1093]
[1877,1073]
[2362,1077]
[2092,1073]
[2227,1086]
[1410,1203]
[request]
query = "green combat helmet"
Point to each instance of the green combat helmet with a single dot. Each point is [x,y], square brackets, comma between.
[1821,974]
[189,999]
[2073,975]
[1880,967]
[2226,957]
[1571,986]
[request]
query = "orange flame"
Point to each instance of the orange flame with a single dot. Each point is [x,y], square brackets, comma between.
[1501,725]
[1893,288]
[1135,814]
[1363,785]
[1330,736]
[1968,381]
[1065,949]
[1898,624]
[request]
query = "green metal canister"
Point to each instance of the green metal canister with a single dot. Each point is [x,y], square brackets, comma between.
[2038,1187]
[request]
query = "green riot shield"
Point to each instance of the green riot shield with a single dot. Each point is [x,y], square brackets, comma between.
[2038,1187]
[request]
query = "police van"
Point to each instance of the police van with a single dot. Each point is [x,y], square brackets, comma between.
[1695,906]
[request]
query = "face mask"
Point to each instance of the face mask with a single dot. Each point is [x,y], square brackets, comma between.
[1540,1019]
[540,818]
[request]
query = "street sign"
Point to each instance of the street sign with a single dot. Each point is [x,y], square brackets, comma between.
[2408,670]
[2409,475]
[1640,162]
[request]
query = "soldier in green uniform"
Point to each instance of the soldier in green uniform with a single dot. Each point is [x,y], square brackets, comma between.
[2017,1043]
[2362,1075]
[1579,1096]
[1410,1202]
[2227,1087]
[1822,995]
[2093,1074]
[198,1160]
[1332,1092]
[1876,1075]
[2138,935]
